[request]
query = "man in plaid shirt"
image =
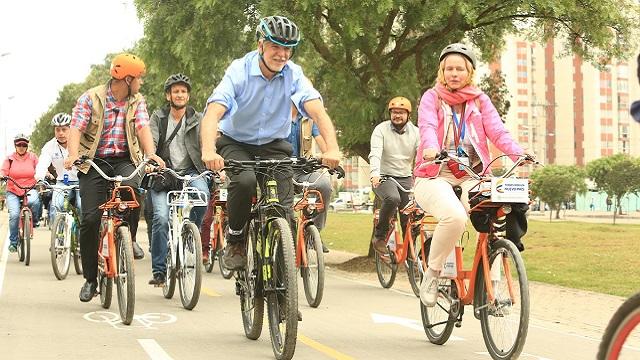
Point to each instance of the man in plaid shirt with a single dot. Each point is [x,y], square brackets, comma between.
[110,124]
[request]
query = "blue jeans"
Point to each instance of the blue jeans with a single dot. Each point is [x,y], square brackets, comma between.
[160,230]
[13,204]
[57,200]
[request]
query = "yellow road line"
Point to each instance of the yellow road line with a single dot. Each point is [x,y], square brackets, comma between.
[209,292]
[335,354]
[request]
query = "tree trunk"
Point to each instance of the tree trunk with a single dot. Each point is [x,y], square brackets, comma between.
[557,213]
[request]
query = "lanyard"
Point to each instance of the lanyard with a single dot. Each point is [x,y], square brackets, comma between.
[458,129]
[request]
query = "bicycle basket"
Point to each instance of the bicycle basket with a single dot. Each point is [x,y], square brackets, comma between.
[187,196]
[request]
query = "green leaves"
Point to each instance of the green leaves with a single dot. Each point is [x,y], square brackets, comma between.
[555,184]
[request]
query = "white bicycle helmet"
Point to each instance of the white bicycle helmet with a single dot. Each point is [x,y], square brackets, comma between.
[61,119]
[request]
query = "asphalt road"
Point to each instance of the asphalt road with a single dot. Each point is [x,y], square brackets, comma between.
[42,318]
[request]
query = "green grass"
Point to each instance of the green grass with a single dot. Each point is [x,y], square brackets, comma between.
[598,257]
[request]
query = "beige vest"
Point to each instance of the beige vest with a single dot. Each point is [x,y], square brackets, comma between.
[90,138]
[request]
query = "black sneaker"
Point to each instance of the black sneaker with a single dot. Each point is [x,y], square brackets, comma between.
[88,291]
[325,249]
[234,257]
[138,253]
[157,280]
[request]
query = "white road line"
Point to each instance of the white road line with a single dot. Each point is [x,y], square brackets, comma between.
[153,349]
[3,261]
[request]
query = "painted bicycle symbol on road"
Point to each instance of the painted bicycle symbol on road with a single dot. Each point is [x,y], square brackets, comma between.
[146,321]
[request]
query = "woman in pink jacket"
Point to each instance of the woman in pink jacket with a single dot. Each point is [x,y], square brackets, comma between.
[458,117]
[21,167]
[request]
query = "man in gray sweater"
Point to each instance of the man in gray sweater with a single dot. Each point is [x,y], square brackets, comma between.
[394,144]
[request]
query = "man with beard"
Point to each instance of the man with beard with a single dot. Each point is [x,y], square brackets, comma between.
[53,153]
[394,144]
[176,134]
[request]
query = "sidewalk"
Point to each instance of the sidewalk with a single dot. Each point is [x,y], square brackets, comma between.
[605,217]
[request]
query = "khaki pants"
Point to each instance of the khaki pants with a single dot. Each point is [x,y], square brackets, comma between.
[437,198]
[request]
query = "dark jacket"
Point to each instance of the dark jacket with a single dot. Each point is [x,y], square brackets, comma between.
[192,133]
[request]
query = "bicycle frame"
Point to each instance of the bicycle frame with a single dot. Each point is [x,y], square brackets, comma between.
[180,206]
[219,203]
[309,202]
[70,212]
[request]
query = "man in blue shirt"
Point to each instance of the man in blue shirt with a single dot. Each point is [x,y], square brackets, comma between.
[300,127]
[252,106]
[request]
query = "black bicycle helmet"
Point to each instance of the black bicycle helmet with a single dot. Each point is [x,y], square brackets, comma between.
[177,79]
[278,30]
[461,49]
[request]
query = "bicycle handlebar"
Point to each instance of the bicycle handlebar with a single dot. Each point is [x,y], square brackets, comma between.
[305,164]
[188,177]
[444,156]
[117,178]
[386,177]
[27,188]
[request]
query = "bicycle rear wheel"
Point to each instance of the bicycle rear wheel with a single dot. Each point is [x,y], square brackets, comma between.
[505,321]
[414,263]
[125,277]
[250,288]
[282,290]
[624,322]
[386,269]
[313,273]
[438,320]
[226,273]
[26,234]
[190,275]
[105,285]
[59,250]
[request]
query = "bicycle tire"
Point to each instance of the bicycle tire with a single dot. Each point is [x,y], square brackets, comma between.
[75,245]
[125,276]
[226,273]
[503,307]
[106,290]
[190,276]
[250,286]
[313,273]
[386,269]
[26,233]
[622,324]
[282,297]
[439,320]
[60,254]
[170,273]
[414,264]
[208,267]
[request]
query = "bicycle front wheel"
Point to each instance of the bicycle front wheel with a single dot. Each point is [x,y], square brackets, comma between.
[75,246]
[249,285]
[26,235]
[190,275]
[105,284]
[624,322]
[125,277]
[60,251]
[313,273]
[282,290]
[505,320]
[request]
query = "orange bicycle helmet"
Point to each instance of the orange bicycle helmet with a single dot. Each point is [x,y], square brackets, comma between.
[400,102]
[124,65]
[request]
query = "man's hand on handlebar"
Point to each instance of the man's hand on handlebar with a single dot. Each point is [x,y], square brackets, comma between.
[158,160]
[212,160]
[331,158]
[69,161]
[375,181]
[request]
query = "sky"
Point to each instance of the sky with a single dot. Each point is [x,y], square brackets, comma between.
[45,45]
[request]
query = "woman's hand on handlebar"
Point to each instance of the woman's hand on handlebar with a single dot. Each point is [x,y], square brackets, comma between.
[429,154]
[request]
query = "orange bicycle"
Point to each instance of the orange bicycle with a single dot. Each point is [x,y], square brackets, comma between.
[218,208]
[623,325]
[309,255]
[497,284]
[405,250]
[115,251]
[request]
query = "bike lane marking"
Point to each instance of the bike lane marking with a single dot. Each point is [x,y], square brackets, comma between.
[146,321]
[332,353]
[3,261]
[154,350]
[408,323]
[210,292]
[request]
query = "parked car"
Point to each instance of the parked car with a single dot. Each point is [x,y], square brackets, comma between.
[340,204]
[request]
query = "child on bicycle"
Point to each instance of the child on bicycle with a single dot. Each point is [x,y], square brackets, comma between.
[458,117]
[21,167]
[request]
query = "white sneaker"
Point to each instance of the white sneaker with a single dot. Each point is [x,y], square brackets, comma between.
[429,290]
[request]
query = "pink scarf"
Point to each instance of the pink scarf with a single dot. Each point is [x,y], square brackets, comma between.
[459,96]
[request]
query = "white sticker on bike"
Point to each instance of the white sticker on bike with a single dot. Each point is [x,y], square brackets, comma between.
[223,194]
[509,190]
[146,321]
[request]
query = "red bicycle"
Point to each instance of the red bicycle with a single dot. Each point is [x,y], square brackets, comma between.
[218,209]
[25,223]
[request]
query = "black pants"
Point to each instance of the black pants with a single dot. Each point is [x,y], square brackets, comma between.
[242,187]
[94,191]
[393,199]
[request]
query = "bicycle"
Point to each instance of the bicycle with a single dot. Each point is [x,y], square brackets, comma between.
[218,205]
[623,323]
[25,223]
[405,250]
[497,284]
[270,272]
[115,250]
[65,235]
[184,251]
[309,254]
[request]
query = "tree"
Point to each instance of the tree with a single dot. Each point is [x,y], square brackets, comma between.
[617,176]
[496,88]
[361,53]
[557,184]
